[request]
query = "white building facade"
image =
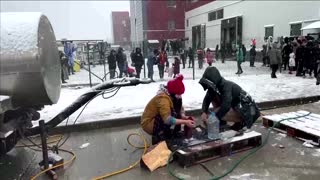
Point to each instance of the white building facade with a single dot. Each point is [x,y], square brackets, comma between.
[136,20]
[241,21]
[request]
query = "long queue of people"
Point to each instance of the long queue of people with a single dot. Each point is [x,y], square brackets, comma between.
[298,55]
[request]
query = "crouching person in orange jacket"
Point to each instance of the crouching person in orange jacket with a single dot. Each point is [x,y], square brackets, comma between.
[164,114]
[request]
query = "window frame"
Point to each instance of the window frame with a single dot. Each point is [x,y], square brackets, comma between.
[265,31]
[210,15]
[217,15]
[291,32]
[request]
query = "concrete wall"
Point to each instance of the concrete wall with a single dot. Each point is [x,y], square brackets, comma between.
[136,19]
[256,15]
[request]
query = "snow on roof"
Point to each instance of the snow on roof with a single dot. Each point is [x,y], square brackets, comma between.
[315,25]
[19,31]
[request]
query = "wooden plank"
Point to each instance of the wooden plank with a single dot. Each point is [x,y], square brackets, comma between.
[307,127]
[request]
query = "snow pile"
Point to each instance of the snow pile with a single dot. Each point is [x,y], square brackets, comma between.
[19,31]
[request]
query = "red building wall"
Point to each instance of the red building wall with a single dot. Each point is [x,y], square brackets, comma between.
[158,16]
[159,13]
[121,28]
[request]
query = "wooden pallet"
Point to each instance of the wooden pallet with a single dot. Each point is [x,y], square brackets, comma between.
[303,128]
[215,149]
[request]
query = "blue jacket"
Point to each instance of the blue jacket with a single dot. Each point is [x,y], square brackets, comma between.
[69,49]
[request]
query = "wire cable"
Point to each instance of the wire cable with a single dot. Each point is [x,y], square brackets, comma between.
[84,107]
[235,165]
[59,165]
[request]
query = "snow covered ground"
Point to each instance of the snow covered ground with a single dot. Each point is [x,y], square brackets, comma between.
[130,101]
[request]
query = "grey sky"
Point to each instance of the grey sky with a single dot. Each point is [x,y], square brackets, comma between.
[73,19]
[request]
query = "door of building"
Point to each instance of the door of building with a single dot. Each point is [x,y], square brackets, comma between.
[231,33]
[199,36]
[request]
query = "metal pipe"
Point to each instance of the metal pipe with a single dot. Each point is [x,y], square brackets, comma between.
[82,100]
[89,64]
[43,135]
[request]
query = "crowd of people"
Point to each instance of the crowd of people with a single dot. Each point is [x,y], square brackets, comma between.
[297,55]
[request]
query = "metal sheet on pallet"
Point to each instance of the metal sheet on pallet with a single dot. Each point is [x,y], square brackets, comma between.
[211,150]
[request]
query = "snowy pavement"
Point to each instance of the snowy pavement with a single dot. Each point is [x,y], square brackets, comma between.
[130,101]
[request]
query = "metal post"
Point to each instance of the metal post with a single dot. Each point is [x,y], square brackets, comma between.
[237,31]
[89,64]
[44,144]
[144,67]
[193,69]
[104,67]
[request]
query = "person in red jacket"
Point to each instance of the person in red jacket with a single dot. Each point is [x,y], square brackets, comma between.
[163,61]
[209,56]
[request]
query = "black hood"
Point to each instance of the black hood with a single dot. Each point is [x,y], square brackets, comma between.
[211,78]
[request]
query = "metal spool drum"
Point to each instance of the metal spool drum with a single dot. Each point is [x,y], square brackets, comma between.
[30,68]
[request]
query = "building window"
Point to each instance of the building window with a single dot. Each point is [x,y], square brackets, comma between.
[295,29]
[269,31]
[171,25]
[187,22]
[212,16]
[171,3]
[220,14]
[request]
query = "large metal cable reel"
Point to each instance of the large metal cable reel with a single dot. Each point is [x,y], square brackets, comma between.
[30,70]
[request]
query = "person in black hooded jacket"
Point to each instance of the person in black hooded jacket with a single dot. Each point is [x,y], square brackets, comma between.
[229,100]
[138,61]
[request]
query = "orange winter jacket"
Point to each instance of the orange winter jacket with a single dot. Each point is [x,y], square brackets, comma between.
[161,105]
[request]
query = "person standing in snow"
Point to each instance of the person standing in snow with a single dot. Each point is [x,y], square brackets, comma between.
[217,52]
[310,59]
[209,57]
[253,54]
[163,61]
[138,61]
[264,54]
[239,57]
[291,61]
[183,58]
[275,59]
[200,54]
[223,52]
[191,57]
[176,67]
[112,62]
[131,55]
[64,67]
[164,110]
[121,58]
[230,102]
[300,56]
[69,49]
[244,51]
[152,60]
[286,50]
